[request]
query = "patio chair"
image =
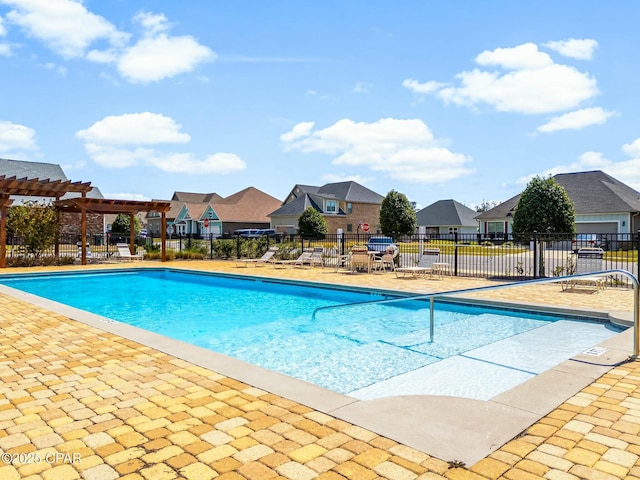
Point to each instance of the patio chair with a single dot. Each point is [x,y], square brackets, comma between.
[425,265]
[304,260]
[125,254]
[588,260]
[360,259]
[266,258]
[386,260]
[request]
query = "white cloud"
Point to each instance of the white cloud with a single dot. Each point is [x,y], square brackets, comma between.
[135,129]
[219,163]
[16,138]
[5,49]
[3,29]
[581,49]
[302,129]
[417,87]
[62,71]
[157,56]
[127,140]
[529,82]
[69,29]
[627,171]
[403,149]
[362,87]
[334,178]
[64,26]
[577,120]
[128,196]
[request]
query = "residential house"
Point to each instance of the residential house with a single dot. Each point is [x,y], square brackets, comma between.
[602,204]
[209,214]
[447,217]
[345,205]
[70,222]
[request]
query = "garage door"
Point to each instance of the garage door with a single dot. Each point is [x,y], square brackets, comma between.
[603,227]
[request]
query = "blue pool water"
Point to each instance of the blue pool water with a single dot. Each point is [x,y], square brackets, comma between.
[366,349]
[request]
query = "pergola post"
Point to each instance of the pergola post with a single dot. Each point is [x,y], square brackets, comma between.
[132,234]
[163,237]
[3,237]
[83,235]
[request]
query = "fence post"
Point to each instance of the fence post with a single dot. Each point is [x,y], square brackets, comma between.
[238,250]
[211,246]
[638,256]
[535,254]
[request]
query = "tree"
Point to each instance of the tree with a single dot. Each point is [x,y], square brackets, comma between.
[397,217]
[122,224]
[37,224]
[545,208]
[312,225]
[486,205]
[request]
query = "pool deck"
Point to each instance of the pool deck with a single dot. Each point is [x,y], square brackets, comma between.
[97,400]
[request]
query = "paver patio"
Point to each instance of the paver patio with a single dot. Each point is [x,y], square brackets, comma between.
[78,402]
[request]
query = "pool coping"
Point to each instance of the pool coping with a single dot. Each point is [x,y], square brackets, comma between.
[450,428]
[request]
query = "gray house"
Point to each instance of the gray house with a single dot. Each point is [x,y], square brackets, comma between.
[448,217]
[602,204]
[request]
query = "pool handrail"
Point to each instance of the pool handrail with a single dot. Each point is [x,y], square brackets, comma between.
[432,296]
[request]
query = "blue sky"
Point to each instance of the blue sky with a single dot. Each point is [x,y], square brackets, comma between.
[435,99]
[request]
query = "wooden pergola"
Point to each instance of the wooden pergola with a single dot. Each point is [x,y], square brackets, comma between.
[34,187]
[83,205]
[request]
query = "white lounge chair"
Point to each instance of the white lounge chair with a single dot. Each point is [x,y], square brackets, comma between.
[304,260]
[588,260]
[125,254]
[425,265]
[266,258]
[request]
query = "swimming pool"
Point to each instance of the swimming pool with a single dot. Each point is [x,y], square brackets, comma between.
[366,350]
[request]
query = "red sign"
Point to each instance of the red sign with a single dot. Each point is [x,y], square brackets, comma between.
[365,227]
[206,223]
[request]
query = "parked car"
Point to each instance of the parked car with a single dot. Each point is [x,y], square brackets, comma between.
[587,240]
[143,233]
[245,232]
[265,232]
[381,244]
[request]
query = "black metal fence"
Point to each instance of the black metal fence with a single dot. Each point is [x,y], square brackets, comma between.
[499,256]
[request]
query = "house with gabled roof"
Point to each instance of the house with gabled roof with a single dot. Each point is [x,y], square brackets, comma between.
[447,217]
[602,204]
[346,205]
[70,222]
[209,214]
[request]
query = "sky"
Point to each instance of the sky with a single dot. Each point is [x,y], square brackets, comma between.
[464,100]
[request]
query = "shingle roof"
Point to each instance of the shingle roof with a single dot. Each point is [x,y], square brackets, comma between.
[297,206]
[447,213]
[41,170]
[248,205]
[590,192]
[349,191]
[192,197]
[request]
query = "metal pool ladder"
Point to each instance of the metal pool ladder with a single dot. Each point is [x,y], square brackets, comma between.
[432,297]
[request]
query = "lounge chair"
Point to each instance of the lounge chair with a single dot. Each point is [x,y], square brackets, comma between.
[266,258]
[304,260]
[316,256]
[425,265]
[125,254]
[589,260]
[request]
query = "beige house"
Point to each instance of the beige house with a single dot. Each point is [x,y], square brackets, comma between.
[345,205]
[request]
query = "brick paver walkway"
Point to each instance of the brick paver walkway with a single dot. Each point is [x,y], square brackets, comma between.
[76,402]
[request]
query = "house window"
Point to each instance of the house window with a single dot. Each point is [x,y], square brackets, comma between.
[495,227]
[349,227]
[349,208]
[331,206]
[453,230]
